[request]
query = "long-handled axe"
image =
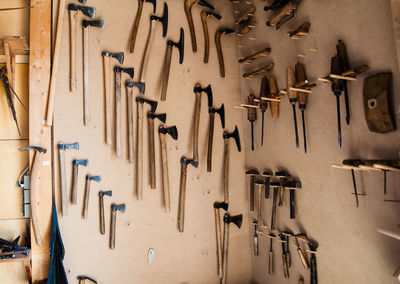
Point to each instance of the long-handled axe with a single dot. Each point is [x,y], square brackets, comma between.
[101,207]
[204,15]
[34,186]
[73,18]
[114,208]
[89,178]
[167,65]
[218,36]
[218,230]
[137,21]
[76,164]
[227,136]
[173,132]
[212,111]
[118,82]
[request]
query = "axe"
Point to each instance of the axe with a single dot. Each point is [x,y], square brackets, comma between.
[89,178]
[218,35]
[34,186]
[204,15]
[173,132]
[114,208]
[82,279]
[168,55]
[76,164]
[182,190]
[150,38]
[212,111]
[118,76]
[218,230]
[227,136]
[73,17]
[137,21]
[152,156]
[101,206]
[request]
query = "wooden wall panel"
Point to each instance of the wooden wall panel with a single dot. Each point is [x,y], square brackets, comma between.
[14,22]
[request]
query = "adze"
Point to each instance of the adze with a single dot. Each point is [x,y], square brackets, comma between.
[217,209]
[212,111]
[204,15]
[137,21]
[218,36]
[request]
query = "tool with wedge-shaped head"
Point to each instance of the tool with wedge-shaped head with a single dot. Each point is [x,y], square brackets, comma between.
[89,178]
[204,15]
[152,153]
[182,190]
[260,71]
[303,259]
[86,25]
[228,135]
[117,86]
[212,111]
[267,177]
[290,82]
[188,11]
[283,176]
[34,186]
[73,18]
[76,164]
[237,220]
[251,116]
[173,132]
[167,65]
[218,35]
[101,207]
[107,96]
[114,208]
[252,174]
[137,21]
[150,39]
[259,54]
[284,263]
[63,178]
[218,229]
[82,279]
[292,185]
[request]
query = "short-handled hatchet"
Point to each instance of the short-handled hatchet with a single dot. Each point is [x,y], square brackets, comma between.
[34,186]
[73,17]
[82,279]
[182,190]
[218,36]
[218,231]
[237,220]
[150,38]
[107,96]
[137,21]
[204,15]
[252,174]
[63,178]
[76,164]
[86,85]
[101,207]
[167,65]
[173,132]
[212,111]
[114,208]
[89,178]
[152,155]
[118,82]
[227,136]
[198,90]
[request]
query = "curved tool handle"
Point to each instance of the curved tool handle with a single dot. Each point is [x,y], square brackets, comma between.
[34,184]
[112,229]
[74,184]
[196,126]
[271,262]
[63,183]
[136,26]
[152,158]
[102,219]
[182,196]
[220,55]
[86,84]
[72,22]
[146,56]
[129,104]
[191,26]
[118,150]
[107,97]
[86,200]
[303,258]
[218,231]
[210,141]
[226,170]
[167,69]
[139,151]
[206,37]
[165,175]
[225,253]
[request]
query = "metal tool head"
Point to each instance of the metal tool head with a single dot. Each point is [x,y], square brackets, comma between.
[181,45]
[80,162]
[83,277]
[211,13]
[140,85]
[275,184]
[207,90]
[235,135]
[221,113]
[163,19]
[288,233]
[120,207]
[152,104]
[222,31]
[237,219]
[267,174]
[205,4]
[161,116]
[117,55]
[36,148]
[154,2]
[185,161]
[82,1]
[252,172]
[282,174]
[86,10]
[291,184]
[108,193]
[353,162]
[68,146]
[95,178]
[99,23]
[312,246]
[219,205]
[129,71]
[173,131]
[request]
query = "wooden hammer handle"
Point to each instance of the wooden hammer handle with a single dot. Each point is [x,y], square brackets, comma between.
[112,229]
[226,170]
[225,253]
[74,184]
[152,158]
[129,104]
[218,231]
[303,258]
[118,150]
[86,199]
[63,183]
[72,21]
[259,207]
[165,176]
[107,97]
[182,196]
[86,84]
[210,141]
[34,184]
[167,69]
[136,26]
[196,127]
[139,151]
[102,219]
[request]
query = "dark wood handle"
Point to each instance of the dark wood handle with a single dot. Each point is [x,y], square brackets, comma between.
[182,196]
[251,197]
[102,219]
[167,69]
[112,229]
[196,126]
[313,270]
[74,185]
[210,141]
[191,27]
[152,162]
[206,37]
[226,170]
[281,192]
[86,200]
[220,55]
[292,208]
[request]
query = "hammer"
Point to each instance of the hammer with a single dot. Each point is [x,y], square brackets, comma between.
[283,175]
[89,178]
[212,111]
[252,174]
[118,76]
[292,185]
[218,35]
[73,17]
[34,186]
[167,65]
[218,230]
[114,209]
[101,206]
[227,136]
[275,186]
[76,164]
[82,279]
[152,156]
[204,15]
[284,256]
[137,21]
[267,175]
[173,132]
[182,190]
[63,180]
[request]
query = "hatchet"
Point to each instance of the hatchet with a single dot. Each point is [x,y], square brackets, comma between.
[218,230]
[76,164]
[137,21]
[101,207]
[218,35]
[114,208]
[227,136]
[204,15]
[89,178]
[212,111]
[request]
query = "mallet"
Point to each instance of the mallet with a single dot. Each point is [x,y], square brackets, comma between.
[212,111]
[76,164]
[218,230]
[89,178]
[228,135]
[101,207]
[114,208]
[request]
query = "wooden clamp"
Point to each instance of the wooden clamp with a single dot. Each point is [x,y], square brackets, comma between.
[262,70]
[259,54]
[301,31]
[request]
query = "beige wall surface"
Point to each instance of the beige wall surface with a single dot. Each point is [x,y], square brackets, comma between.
[350,250]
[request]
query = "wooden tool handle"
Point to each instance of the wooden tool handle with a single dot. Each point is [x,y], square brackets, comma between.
[74,184]
[210,141]
[290,82]
[86,199]
[255,56]
[226,170]
[136,26]
[251,112]
[303,258]
[206,37]
[63,183]
[196,126]
[313,270]
[285,268]
[146,56]
[182,196]
[34,184]
[191,27]
[301,280]
[139,151]
[81,281]
[86,84]
[292,204]
[72,21]
[281,192]
[273,89]
[107,97]
[251,198]
[118,150]
[102,219]
[112,229]
[167,69]
[225,253]
[129,104]
[271,262]
[165,175]
[218,231]
[220,55]
[152,158]
[259,206]
[288,258]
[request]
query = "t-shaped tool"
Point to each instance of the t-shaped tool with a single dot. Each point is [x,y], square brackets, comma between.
[212,111]
[101,206]
[182,190]
[218,230]
[282,175]
[114,208]
[82,279]
[267,175]
[292,185]
[89,178]
[34,186]
[63,179]
[152,152]
[227,136]
[73,18]
[86,85]
[204,15]
[117,86]
[167,65]
[218,35]
[290,82]
[252,174]
[137,21]
[76,164]
[173,132]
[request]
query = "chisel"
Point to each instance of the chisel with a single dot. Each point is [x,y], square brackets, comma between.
[301,80]
[251,116]
[290,81]
[263,104]
[337,88]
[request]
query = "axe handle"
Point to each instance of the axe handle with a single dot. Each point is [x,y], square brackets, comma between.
[136,26]
[220,55]
[63,183]
[191,26]
[167,69]
[259,207]
[252,179]
[112,228]
[107,97]
[130,123]
[197,109]
[292,204]
[73,15]
[152,158]
[225,253]
[182,195]
[210,141]
[86,85]
[303,258]
[218,231]
[206,38]
[146,56]
[102,221]
[118,151]
[35,182]
[86,199]
[165,175]
[74,184]
[139,151]
[226,170]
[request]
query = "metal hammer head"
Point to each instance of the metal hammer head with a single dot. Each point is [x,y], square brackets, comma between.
[117,55]
[235,135]
[180,45]
[282,174]
[83,277]
[108,193]
[140,85]
[80,162]
[206,4]
[221,113]
[223,205]
[162,116]
[154,2]
[237,220]
[36,148]
[94,23]
[120,207]
[68,146]
[86,10]
[267,174]
[173,131]
[163,19]
[95,178]
[185,161]
[252,172]
[129,71]
[152,104]
[274,184]
[208,91]
[292,184]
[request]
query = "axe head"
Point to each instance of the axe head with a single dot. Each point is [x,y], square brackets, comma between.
[163,19]
[152,104]
[252,172]
[292,184]
[173,131]
[94,23]
[80,162]
[206,4]
[162,116]
[282,174]
[83,277]
[95,178]
[36,148]
[140,85]
[118,55]
[86,10]
[68,146]
[235,135]
[237,219]
[207,90]
[129,71]
[221,113]
[223,205]
[185,161]
[120,207]
[108,193]
[180,45]
[154,2]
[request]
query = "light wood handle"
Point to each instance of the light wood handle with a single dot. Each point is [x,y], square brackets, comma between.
[118,147]
[72,21]
[196,126]
[226,170]
[165,175]
[146,56]
[102,219]
[34,184]
[130,124]
[210,141]
[86,84]
[63,183]
[259,206]
[86,199]
[139,151]
[273,89]
[74,184]
[218,231]
[285,267]
[167,69]
[271,262]
[225,253]
[182,196]
[220,55]
[136,26]
[281,191]
[81,281]
[206,37]
[290,82]
[303,258]
[152,158]
[107,97]
[191,27]
[112,229]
